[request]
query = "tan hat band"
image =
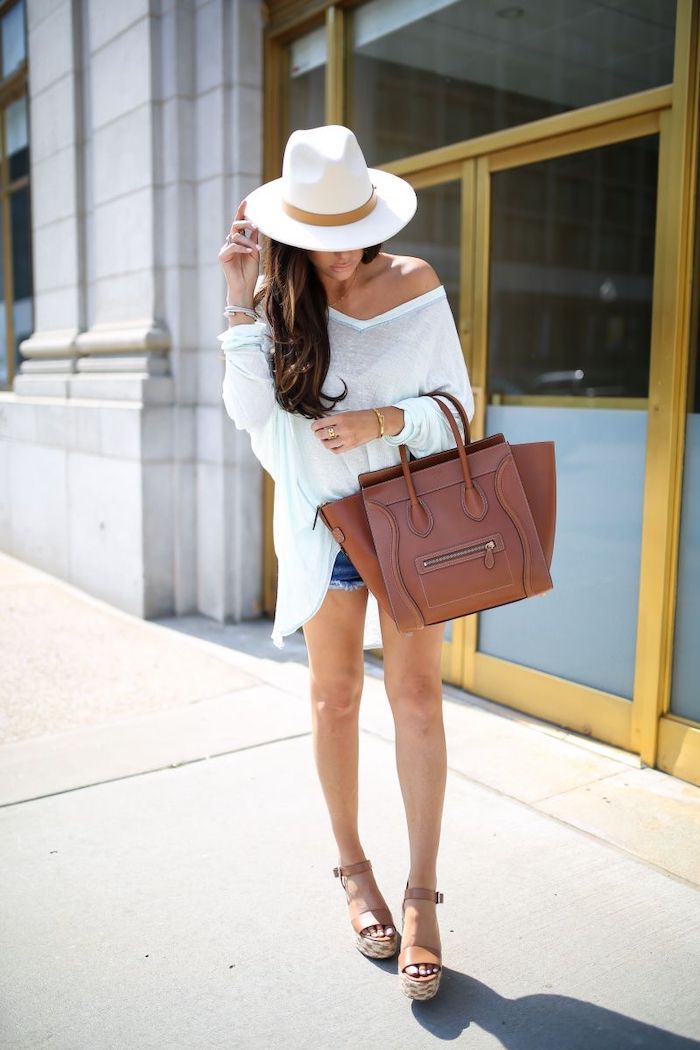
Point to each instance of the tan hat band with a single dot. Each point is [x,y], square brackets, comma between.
[340,218]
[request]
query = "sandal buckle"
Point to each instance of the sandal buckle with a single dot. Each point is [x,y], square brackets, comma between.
[439,897]
[337,872]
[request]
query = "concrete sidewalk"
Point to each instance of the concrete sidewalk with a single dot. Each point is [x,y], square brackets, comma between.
[166,857]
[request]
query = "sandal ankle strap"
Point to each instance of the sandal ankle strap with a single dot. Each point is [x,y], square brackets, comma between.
[420,894]
[352,869]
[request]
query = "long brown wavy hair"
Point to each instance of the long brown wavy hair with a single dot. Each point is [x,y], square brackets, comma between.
[295,303]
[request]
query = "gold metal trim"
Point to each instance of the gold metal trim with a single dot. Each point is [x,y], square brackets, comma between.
[335,59]
[423,180]
[569,401]
[288,20]
[577,141]
[678,749]
[668,391]
[589,711]
[547,128]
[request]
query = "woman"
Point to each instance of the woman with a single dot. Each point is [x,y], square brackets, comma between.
[325,395]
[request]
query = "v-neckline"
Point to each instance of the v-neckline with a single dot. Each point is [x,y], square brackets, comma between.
[395,311]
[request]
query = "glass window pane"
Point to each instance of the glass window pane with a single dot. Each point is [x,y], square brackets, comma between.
[433,234]
[572,245]
[685,688]
[17,138]
[22,317]
[570,314]
[13,39]
[433,72]
[306,90]
[21,244]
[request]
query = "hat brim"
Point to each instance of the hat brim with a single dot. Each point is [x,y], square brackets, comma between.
[396,205]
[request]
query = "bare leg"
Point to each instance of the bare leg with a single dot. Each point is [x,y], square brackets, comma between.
[414,687]
[336,663]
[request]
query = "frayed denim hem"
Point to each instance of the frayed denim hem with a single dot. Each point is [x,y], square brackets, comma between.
[347,585]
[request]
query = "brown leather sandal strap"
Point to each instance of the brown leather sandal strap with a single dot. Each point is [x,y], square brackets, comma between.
[371,917]
[420,894]
[352,869]
[416,954]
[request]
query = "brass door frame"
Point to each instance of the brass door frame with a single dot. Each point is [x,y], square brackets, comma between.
[644,724]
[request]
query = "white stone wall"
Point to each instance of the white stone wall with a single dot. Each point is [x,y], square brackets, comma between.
[122,471]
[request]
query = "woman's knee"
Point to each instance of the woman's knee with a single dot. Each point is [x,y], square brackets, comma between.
[337,697]
[416,702]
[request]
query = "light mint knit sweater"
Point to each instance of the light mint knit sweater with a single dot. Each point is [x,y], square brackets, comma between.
[390,359]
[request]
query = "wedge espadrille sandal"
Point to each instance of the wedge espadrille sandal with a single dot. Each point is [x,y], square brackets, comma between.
[412,985]
[374,915]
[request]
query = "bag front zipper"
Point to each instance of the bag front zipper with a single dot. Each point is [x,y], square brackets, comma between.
[487,547]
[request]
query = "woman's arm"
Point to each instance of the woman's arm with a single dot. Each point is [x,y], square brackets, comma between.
[248,387]
[426,430]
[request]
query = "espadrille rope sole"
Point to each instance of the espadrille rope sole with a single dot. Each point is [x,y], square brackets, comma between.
[420,988]
[376,947]
[373,915]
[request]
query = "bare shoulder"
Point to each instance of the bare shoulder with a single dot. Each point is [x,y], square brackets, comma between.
[416,276]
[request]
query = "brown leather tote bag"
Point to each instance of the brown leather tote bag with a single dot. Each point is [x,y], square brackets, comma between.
[452,533]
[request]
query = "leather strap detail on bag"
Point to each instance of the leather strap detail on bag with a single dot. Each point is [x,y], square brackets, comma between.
[385,533]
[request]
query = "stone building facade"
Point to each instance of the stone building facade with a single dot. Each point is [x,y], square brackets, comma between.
[120,469]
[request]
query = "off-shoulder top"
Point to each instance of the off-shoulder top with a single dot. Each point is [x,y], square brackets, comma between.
[391,359]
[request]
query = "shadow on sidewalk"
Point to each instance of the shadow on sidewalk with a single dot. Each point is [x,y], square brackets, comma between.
[538,1022]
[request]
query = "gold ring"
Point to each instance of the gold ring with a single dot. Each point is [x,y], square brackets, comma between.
[331,432]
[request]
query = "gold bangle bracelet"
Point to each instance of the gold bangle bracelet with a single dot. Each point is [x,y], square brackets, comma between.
[380,417]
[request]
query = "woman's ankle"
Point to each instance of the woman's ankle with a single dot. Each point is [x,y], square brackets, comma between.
[350,853]
[426,880]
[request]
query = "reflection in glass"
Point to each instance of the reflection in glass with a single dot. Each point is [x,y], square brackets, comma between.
[572,256]
[17,134]
[571,291]
[433,235]
[13,39]
[306,90]
[432,72]
[685,685]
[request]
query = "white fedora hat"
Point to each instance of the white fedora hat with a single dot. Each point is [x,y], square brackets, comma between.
[328,199]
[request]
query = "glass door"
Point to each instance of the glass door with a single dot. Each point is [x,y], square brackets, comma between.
[564,274]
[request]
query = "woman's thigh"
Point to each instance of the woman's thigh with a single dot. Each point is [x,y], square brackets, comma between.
[334,639]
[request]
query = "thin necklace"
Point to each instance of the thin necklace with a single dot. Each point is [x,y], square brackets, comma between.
[347,292]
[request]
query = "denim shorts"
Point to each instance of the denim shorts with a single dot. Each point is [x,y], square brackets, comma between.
[345,575]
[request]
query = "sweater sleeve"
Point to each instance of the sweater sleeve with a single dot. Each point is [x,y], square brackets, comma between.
[426,430]
[248,387]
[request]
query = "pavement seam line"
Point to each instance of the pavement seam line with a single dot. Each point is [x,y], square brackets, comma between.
[557,820]
[536,802]
[156,769]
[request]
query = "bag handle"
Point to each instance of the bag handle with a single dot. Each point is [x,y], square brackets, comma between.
[460,408]
[473,500]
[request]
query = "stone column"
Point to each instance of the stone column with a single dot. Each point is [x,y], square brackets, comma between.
[228,162]
[146,133]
